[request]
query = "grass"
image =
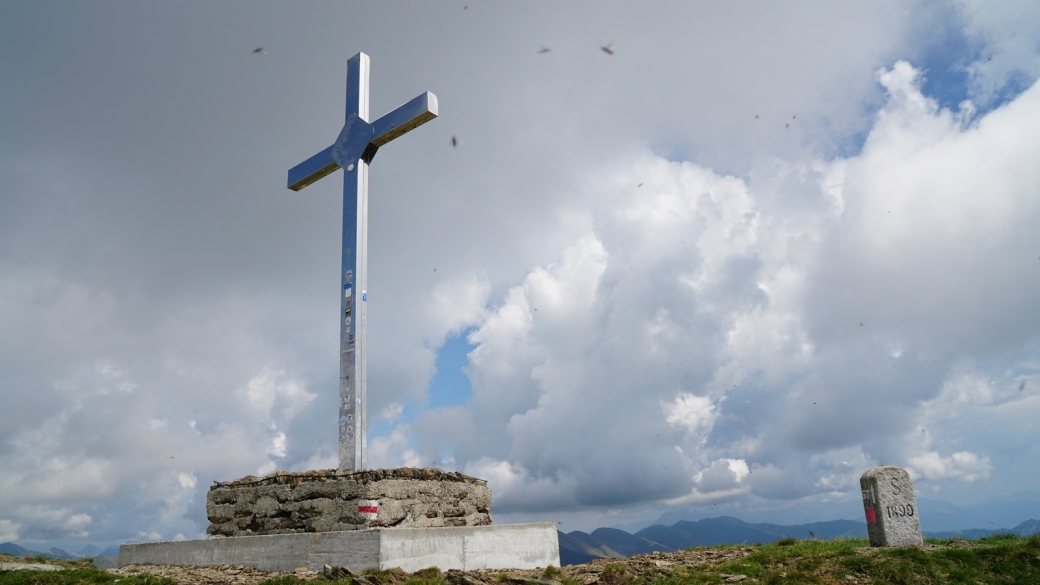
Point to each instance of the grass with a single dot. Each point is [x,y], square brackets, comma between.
[996,559]
[999,559]
[77,574]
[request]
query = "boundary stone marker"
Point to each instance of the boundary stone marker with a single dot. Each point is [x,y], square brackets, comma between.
[890,507]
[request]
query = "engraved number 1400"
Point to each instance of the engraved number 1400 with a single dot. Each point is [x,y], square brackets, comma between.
[900,511]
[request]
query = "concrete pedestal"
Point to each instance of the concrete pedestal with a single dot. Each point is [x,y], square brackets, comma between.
[509,546]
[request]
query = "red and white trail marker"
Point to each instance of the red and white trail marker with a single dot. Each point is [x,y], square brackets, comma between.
[368,509]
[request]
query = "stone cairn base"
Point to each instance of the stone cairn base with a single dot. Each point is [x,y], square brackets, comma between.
[333,500]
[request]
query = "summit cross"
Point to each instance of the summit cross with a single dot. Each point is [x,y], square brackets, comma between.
[353,152]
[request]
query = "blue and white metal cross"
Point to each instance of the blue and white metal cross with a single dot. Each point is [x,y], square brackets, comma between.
[353,151]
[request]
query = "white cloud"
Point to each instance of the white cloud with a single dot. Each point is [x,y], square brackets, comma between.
[513,487]
[668,281]
[393,450]
[392,412]
[51,521]
[9,530]
[187,480]
[722,479]
[457,304]
[272,388]
[723,475]
[962,465]
[1008,33]
[278,445]
[318,461]
[753,266]
[694,413]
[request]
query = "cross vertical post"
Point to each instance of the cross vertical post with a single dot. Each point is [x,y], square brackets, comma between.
[353,151]
[353,341]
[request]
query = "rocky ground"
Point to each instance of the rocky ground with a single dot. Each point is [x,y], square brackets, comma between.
[603,571]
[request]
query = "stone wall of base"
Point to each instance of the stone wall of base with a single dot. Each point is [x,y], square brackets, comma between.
[333,500]
[509,546]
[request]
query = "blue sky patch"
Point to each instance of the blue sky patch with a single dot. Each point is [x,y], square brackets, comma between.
[450,386]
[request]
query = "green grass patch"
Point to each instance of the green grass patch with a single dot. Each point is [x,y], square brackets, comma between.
[997,559]
[425,581]
[389,576]
[77,576]
[284,580]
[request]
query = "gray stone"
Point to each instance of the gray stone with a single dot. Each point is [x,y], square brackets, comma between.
[888,502]
[337,500]
[29,567]
[510,546]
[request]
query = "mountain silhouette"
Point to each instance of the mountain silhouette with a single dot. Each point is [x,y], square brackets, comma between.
[611,543]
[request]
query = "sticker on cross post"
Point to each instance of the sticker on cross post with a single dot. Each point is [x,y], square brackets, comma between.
[368,509]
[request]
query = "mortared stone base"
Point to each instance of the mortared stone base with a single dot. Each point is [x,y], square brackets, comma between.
[332,501]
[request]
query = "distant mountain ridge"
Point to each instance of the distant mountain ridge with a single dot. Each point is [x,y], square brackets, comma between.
[579,547]
[90,551]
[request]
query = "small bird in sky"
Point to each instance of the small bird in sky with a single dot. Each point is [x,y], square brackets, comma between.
[1022,386]
[544,49]
[259,50]
[608,48]
[454,141]
[756,116]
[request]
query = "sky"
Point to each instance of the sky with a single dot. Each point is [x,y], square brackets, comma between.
[757,250]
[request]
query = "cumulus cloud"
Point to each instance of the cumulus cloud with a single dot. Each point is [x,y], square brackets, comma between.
[51,521]
[693,290]
[9,530]
[393,451]
[962,465]
[694,413]
[271,389]
[514,488]
[1007,32]
[745,313]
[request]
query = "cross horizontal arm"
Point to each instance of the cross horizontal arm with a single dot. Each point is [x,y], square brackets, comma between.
[404,119]
[400,121]
[312,169]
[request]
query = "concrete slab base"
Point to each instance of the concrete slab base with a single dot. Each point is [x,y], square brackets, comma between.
[506,546]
